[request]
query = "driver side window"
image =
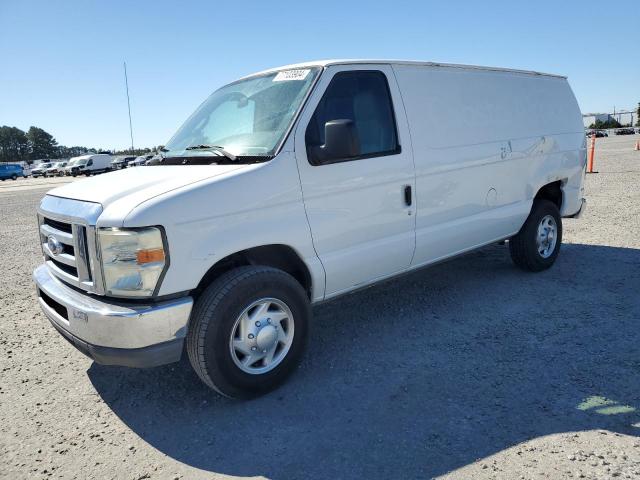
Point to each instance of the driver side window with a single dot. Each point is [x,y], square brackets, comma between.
[360,98]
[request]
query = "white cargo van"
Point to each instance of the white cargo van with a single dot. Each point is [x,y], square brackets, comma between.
[296,185]
[89,164]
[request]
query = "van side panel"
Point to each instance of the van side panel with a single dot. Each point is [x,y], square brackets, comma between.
[484,143]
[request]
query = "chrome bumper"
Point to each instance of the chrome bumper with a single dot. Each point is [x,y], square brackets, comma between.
[114,333]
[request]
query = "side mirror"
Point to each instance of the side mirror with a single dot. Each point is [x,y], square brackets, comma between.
[340,142]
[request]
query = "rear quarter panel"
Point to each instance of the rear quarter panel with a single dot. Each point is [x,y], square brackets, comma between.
[484,143]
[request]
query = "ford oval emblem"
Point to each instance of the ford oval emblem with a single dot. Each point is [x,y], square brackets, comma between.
[54,245]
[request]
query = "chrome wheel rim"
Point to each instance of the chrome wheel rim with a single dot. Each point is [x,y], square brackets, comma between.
[547,236]
[262,336]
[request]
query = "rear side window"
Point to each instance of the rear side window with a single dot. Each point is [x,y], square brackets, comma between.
[362,97]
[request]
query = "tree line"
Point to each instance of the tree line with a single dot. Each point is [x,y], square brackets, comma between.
[17,145]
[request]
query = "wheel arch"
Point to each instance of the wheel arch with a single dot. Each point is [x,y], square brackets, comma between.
[280,256]
[553,192]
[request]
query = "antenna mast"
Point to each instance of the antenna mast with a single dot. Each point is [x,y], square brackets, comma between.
[126,83]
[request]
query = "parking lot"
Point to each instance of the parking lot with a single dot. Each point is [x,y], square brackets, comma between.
[30,183]
[469,369]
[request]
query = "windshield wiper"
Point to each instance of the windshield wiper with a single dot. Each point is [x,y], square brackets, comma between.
[214,148]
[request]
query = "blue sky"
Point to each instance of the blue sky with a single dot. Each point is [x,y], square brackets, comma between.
[62,61]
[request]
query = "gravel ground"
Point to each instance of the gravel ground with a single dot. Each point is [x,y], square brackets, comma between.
[30,183]
[470,369]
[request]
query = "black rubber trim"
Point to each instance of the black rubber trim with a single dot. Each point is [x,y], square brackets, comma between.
[145,357]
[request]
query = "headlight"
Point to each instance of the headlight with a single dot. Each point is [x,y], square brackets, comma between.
[133,260]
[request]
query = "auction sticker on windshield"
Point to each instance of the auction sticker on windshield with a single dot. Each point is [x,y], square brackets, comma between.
[287,75]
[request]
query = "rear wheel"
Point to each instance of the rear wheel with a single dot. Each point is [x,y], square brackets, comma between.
[14,177]
[536,246]
[248,330]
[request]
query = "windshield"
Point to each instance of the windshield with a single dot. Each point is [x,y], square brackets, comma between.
[247,118]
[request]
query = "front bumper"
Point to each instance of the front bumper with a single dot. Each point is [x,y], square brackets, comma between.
[111,332]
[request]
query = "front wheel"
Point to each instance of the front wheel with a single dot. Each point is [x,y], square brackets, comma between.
[248,330]
[14,177]
[536,246]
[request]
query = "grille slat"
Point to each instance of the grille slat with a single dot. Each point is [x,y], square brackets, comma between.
[58,225]
[73,271]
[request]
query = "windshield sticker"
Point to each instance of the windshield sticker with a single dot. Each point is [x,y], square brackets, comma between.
[287,75]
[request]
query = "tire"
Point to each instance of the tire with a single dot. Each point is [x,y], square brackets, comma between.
[524,248]
[14,177]
[215,321]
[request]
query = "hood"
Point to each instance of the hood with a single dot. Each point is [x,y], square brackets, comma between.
[140,183]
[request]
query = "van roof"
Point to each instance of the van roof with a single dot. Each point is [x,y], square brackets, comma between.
[325,63]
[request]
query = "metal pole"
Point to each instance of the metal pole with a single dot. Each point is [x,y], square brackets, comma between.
[126,83]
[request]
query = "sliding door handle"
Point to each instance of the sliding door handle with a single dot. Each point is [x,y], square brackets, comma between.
[408,197]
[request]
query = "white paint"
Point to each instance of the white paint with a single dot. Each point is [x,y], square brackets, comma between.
[477,144]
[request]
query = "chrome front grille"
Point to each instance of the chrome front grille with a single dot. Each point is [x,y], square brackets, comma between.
[67,260]
[68,239]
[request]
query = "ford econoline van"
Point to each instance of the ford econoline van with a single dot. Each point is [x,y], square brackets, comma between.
[294,186]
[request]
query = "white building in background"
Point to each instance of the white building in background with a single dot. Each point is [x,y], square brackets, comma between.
[624,117]
[590,118]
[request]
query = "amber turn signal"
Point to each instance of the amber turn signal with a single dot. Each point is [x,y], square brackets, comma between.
[150,256]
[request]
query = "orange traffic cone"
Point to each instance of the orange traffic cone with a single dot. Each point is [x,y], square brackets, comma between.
[592,154]
[637,146]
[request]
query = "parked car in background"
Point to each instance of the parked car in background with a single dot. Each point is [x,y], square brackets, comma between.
[154,160]
[596,133]
[70,164]
[55,170]
[11,170]
[138,161]
[89,164]
[26,168]
[121,162]
[328,183]
[39,170]
[625,131]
